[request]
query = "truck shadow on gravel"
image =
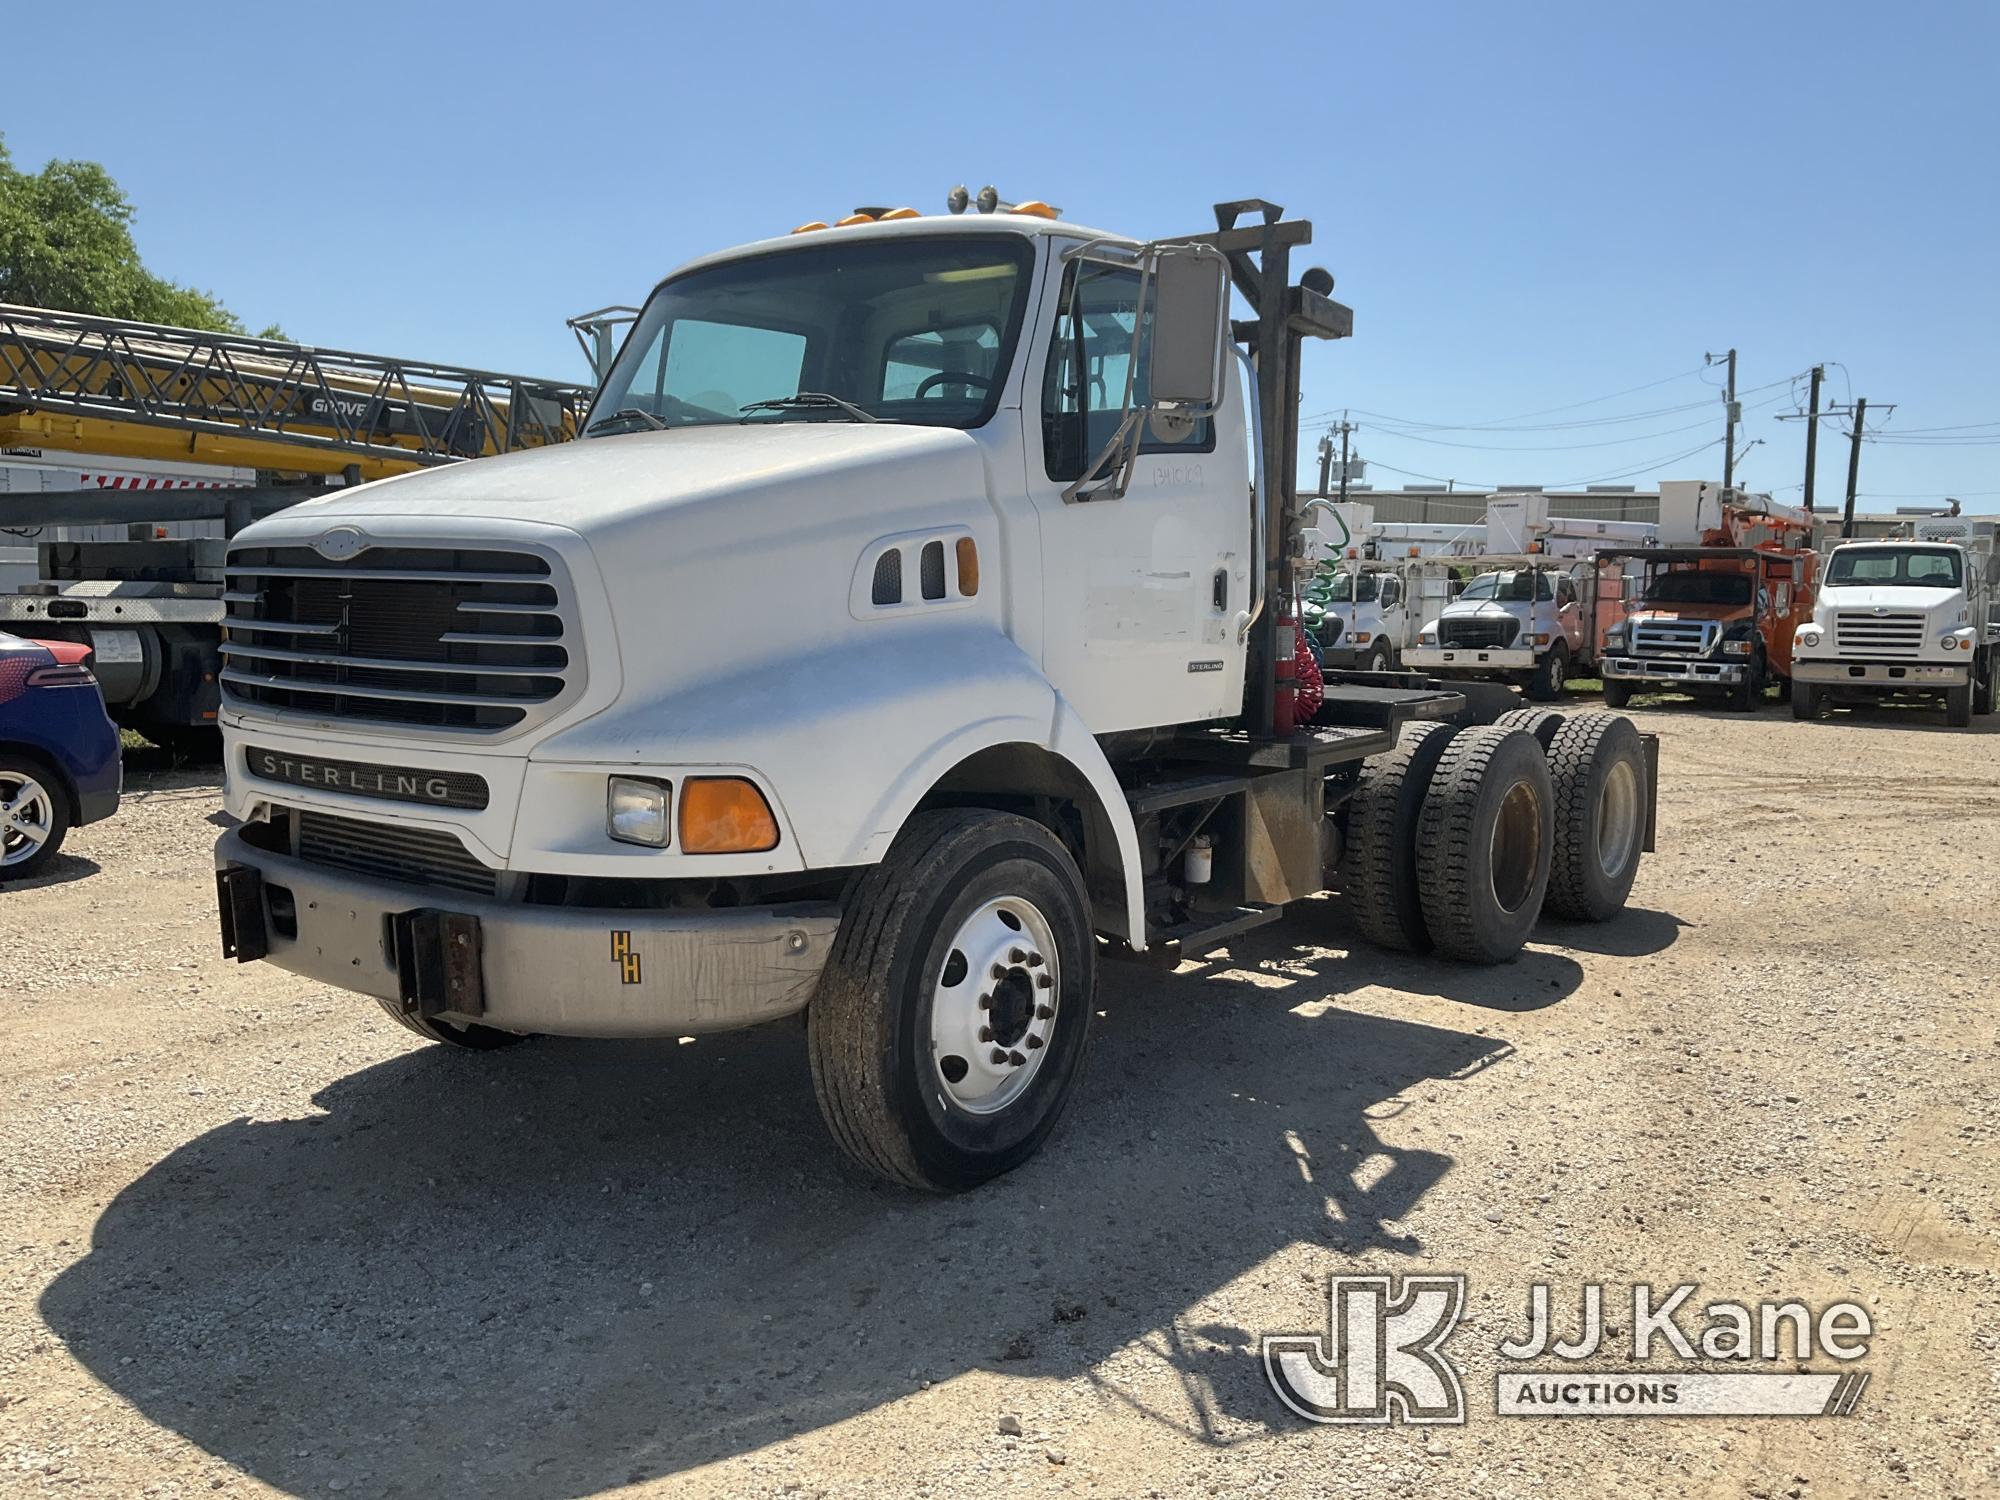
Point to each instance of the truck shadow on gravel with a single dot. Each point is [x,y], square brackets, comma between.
[569,1266]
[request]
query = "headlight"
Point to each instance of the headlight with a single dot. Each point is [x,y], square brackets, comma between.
[1614,638]
[1428,638]
[1736,648]
[1808,635]
[636,810]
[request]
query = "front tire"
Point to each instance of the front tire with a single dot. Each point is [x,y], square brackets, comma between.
[1617,692]
[951,1025]
[1378,657]
[1958,707]
[34,818]
[1748,695]
[1807,700]
[1551,675]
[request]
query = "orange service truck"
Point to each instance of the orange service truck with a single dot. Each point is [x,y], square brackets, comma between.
[1718,604]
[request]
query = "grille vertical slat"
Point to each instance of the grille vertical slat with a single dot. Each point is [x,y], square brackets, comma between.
[433,637]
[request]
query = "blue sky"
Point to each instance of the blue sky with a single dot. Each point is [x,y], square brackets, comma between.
[1528,205]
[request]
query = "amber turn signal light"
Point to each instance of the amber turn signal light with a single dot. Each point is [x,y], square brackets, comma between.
[968,566]
[725,815]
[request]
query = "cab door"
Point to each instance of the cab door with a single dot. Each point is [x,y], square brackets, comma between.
[1143,595]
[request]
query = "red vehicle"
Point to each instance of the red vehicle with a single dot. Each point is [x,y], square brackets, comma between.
[1718,617]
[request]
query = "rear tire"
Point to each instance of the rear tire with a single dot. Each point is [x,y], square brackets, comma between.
[1485,843]
[924,952]
[1958,706]
[1378,863]
[470,1037]
[1542,723]
[1617,692]
[1597,766]
[34,817]
[1551,675]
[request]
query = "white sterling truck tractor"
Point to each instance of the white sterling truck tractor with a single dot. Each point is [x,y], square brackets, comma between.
[913,627]
[1913,616]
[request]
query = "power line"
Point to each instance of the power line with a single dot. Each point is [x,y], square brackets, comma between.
[1617,442]
[1505,424]
[1649,464]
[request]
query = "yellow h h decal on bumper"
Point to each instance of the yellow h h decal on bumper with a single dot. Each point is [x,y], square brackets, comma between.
[626,957]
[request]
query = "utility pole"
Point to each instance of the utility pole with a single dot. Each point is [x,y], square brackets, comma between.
[1812,431]
[1730,415]
[1345,428]
[1325,461]
[1853,468]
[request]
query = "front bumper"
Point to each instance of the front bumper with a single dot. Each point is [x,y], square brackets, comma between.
[1697,671]
[1471,658]
[1881,674]
[569,971]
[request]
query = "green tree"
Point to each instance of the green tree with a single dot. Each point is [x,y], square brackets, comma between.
[66,243]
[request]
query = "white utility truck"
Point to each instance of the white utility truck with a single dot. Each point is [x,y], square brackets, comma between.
[1542,604]
[912,627]
[1915,615]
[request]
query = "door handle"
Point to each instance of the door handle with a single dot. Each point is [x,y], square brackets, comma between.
[1220,590]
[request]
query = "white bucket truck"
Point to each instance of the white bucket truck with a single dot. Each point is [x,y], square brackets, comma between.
[904,633]
[1913,615]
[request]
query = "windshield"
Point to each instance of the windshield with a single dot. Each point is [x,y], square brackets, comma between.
[1909,565]
[1692,586]
[1341,588]
[915,330]
[1512,586]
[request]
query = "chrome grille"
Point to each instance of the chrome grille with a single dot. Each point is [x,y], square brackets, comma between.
[1478,631]
[1858,632]
[1673,637]
[435,637]
[386,851]
[1328,630]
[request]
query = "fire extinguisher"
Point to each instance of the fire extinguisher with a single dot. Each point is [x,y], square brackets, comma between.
[1284,701]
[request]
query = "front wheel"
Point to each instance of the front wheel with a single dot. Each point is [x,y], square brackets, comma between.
[1378,657]
[469,1036]
[1748,694]
[1617,692]
[1551,675]
[1958,706]
[1807,700]
[951,1024]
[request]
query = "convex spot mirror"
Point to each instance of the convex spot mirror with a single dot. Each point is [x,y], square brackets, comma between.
[1190,300]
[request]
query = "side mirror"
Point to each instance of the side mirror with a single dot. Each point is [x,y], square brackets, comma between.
[1190,302]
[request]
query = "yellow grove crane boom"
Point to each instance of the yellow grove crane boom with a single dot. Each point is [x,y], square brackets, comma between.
[142,390]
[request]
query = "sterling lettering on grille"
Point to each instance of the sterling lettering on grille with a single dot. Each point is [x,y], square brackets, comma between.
[439,788]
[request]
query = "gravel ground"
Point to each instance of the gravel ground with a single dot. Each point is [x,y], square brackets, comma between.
[256,1242]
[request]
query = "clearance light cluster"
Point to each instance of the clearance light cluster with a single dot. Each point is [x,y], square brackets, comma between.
[987,200]
[718,814]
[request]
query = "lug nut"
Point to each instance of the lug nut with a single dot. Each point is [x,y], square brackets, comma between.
[1017,956]
[999,971]
[1017,1058]
[1034,1043]
[999,1056]
[986,1002]
[1045,1012]
[1045,981]
[1034,960]
[986,1033]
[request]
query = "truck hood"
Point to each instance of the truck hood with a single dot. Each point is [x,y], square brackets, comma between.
[1461,609]
[1899,597]
[591,481]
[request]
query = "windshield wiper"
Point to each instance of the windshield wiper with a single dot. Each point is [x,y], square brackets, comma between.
[628,414]
[812,401]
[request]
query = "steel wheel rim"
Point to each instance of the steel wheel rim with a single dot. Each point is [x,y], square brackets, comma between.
[1516,849]
[993,1005]
[27,818]
[1617,818]
[1556,671]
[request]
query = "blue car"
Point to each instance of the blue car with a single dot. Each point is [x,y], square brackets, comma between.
[59,751]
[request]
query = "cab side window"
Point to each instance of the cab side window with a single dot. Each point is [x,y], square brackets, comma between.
[1090,358]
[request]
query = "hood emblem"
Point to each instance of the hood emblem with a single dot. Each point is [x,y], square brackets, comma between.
[339,544]
[1881,609]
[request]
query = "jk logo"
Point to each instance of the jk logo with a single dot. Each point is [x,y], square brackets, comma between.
[626,957]
[1378,1361]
